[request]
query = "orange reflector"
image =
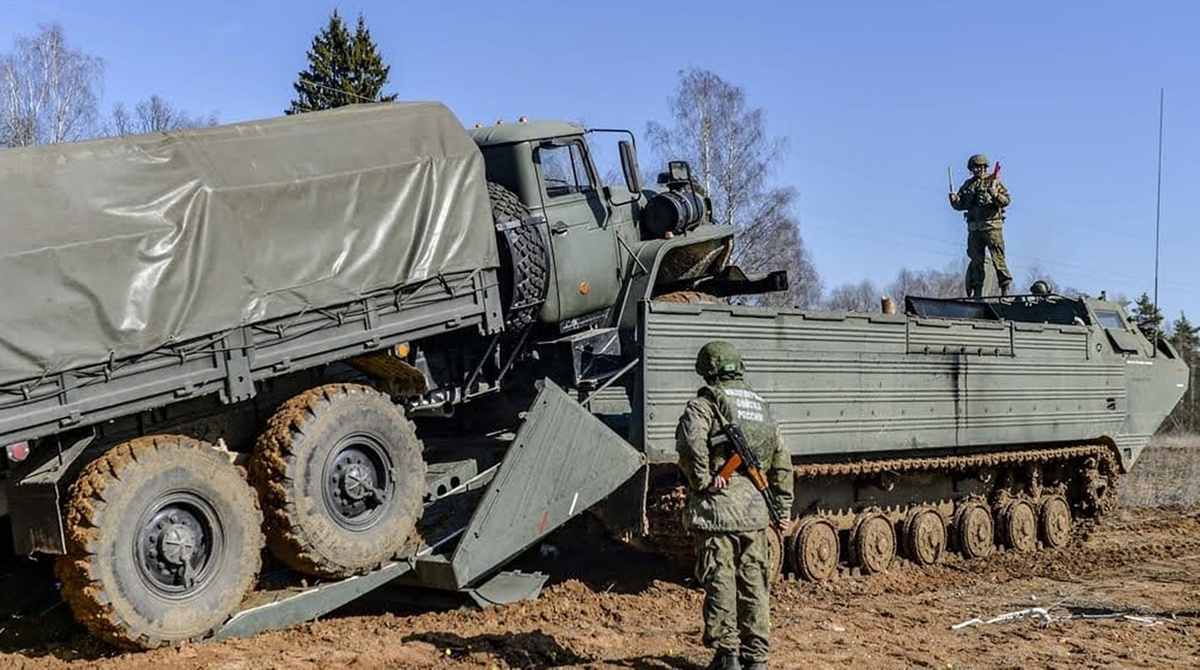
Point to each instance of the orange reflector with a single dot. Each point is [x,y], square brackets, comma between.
[401,350]
[584,288]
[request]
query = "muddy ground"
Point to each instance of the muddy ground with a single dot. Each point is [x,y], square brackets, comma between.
[1124,593]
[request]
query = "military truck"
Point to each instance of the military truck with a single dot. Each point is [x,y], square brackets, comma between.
[389,350]
[217,340]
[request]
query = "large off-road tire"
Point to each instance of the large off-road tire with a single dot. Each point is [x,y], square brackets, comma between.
[524,259]
[341,479]
[163,542]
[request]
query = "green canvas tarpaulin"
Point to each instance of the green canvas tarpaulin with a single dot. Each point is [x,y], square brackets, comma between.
[115,247]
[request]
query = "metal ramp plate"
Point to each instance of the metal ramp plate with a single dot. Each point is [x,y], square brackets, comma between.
[286,608]
[508,587]
[562,461]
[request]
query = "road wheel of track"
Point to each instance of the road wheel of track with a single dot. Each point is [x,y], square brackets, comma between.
[1054,521]
[1018,526]
[341,479]
[925,536]
[814,550]
[774,555]
[873,543]
[976,534]
[163,541]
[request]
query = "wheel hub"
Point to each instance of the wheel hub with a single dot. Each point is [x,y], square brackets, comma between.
[357,483]
[175,545]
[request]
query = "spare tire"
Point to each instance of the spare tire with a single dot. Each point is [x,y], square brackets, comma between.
[524,258]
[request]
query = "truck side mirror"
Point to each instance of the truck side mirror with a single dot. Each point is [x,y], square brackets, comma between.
[629,166]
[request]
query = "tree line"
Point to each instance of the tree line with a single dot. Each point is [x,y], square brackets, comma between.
[49,92]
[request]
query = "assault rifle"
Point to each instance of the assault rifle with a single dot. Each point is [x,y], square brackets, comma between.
[742,455]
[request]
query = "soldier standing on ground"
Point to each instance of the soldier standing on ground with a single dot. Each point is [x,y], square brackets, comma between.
[730,518]
[982,200]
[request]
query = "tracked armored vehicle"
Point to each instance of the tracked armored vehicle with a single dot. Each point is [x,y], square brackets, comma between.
[958,425]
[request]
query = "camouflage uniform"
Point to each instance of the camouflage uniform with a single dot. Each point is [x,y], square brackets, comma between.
[984,213]
[730,524]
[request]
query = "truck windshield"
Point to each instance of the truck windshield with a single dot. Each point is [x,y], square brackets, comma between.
[564,170]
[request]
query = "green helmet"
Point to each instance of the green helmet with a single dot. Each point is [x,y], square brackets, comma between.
[977,159]
[1040,287]
[719,358]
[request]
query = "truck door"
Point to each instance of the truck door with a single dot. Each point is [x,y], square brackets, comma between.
[583,248]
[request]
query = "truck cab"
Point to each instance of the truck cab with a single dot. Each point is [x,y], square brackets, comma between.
[611,245]
[550,167]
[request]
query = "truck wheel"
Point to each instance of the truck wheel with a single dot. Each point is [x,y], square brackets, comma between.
[524,259]
[163,542]
[341,479]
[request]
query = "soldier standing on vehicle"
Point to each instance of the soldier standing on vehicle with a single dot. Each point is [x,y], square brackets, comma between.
[982,200]
[729,517]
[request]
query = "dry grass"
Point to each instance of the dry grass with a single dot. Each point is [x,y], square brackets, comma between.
[1167,474]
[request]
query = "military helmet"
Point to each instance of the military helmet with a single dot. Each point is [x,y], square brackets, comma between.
[718,358]
[977,159]
[1040,287]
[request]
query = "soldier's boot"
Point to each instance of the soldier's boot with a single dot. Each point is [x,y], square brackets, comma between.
[753,665]
[1004,288]
[725,660]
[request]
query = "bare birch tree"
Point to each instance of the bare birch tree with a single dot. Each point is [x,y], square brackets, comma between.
[732,157]
[929,283]
[863,296]
[154,115]
[49,92]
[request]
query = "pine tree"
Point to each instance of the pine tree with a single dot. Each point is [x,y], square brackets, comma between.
[343,69]
[1186,339]
[1147,316]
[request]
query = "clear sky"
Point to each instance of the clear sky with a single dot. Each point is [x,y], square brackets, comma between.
[875,98]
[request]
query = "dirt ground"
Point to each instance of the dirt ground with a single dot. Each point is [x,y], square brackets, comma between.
[1124,593]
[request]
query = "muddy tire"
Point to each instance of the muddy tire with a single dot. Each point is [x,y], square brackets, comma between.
[341,480]
[163,542]
[524,259]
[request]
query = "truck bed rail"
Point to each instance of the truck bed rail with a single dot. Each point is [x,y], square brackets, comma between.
[229,363]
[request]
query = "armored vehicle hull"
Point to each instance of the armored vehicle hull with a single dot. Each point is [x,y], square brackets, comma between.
[959,424]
